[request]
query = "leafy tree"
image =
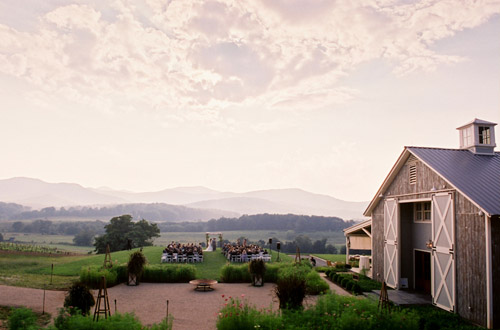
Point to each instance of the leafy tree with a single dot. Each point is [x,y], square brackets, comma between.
[17,226]
[343,249]
[331,249]
[121,229]
[319,246]
[84,238]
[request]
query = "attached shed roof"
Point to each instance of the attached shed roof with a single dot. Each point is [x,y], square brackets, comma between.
[359,226]
[477,177]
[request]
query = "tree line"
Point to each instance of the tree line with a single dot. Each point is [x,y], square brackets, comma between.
[151,211]
[297,223]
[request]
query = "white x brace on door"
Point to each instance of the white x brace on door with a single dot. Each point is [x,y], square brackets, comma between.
[443,259]
[391,255]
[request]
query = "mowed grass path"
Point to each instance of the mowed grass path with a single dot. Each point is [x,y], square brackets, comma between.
[34,271]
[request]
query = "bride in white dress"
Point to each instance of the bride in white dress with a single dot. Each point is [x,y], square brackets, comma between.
[209,248]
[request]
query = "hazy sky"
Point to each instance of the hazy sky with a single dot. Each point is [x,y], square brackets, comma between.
[239,95]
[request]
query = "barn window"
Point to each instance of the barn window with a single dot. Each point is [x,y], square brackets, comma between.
[484,135]
[413,174]
[422,211]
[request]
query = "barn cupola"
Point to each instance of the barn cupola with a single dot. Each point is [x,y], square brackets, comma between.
[478,136]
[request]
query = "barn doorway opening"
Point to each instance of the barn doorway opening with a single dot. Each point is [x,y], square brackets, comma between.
[422,271]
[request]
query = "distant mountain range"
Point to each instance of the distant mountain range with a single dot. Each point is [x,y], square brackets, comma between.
[39,194]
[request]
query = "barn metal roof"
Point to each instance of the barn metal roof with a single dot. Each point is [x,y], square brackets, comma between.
[475,176]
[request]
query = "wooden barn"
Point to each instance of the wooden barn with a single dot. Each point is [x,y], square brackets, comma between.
[436,226]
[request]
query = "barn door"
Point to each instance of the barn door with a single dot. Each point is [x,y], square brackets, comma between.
[443,259]
[391,255]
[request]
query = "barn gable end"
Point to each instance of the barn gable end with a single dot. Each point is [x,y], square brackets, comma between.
[470,259]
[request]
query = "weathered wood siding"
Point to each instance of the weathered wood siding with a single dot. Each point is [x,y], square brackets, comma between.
[495,253]
[470,261]
[469,238]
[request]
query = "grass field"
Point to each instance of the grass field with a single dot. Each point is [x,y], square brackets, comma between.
[334,238]
[34,270]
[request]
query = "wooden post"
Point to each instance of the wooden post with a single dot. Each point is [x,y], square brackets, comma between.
[102,296]
[107,259]
[384,304]
[297,255]
[43,303]
[167,309]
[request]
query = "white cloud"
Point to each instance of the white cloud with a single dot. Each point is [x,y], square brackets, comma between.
[183,57]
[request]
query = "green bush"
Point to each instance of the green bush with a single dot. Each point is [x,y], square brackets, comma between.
[271,274]
[79,296]
[22,319]
[349,285]
[291,286]
[91,276]
[168,273]
[315,284]
[135,265]
[235,274]
[343,282]
[356,288]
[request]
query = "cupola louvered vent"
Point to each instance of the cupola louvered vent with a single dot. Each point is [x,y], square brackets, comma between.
[413,174]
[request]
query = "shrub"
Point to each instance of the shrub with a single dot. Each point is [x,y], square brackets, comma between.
[343,282]
[291,287]
[271,274]
[356,288]
[257,269]
[79,296]
[135,265]
[169,273]
[315,284]
[349,285]
[22,319]
[235,274]
[91,276]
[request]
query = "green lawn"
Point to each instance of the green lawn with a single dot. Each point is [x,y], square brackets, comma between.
[34,270]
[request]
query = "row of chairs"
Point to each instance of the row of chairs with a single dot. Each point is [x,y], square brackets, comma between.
[248,257]
[181,258]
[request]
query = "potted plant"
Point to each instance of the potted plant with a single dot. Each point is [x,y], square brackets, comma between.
[135,267]
[257,268]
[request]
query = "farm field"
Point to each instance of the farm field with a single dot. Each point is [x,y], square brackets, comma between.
[65,242]
[334,238]
[34,270]
[61,242]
